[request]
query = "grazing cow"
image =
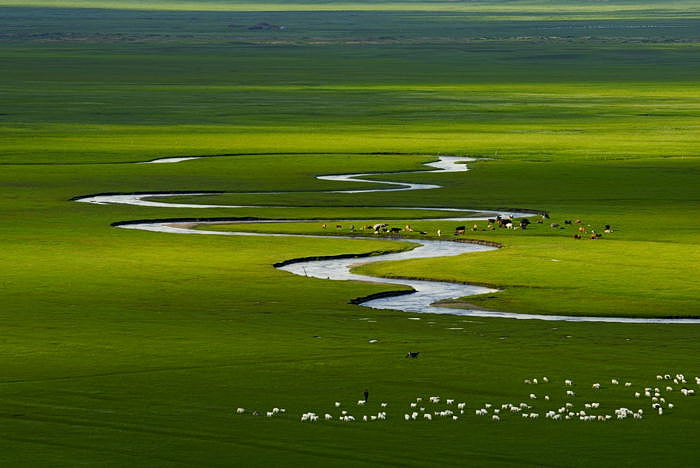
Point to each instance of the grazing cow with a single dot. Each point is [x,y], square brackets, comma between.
[582,229]
[577,236]
[578,221]
[567,221]
[413,355]
[408,228]
[338,226]
[460,230]
[324,226]
[491,220]
[395,230]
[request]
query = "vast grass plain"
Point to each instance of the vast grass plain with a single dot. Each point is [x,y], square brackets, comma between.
[133,348]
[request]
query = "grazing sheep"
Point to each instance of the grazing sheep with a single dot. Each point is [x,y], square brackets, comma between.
[596,386]
[568,383]
[495,418]
[240,410]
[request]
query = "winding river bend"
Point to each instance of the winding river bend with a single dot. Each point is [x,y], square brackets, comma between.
[425,293]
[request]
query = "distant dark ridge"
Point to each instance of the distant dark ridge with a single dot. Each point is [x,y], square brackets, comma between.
[380,295]
[332,257]
[183,220]
[294,153]
[173,192]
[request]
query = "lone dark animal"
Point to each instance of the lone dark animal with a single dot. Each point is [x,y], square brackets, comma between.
[413,355]
[395,230]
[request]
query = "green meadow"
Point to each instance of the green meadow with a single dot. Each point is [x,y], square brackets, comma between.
[123,347]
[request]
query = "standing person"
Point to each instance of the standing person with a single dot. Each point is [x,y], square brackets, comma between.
[366,393]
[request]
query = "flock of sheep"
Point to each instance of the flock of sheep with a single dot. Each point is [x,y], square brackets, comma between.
[434,407]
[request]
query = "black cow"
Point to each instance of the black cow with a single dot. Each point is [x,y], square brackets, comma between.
[413,355]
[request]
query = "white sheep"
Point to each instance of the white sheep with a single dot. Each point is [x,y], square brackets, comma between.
[596,386]
[360,402]
[428,416]
[337,404]
[495,418]
[327,417]
[240,410]
[568,383]
[614,382]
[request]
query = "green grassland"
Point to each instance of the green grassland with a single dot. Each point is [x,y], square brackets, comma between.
[134,348]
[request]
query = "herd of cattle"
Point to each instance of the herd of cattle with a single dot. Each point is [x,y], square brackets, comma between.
[499,222]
